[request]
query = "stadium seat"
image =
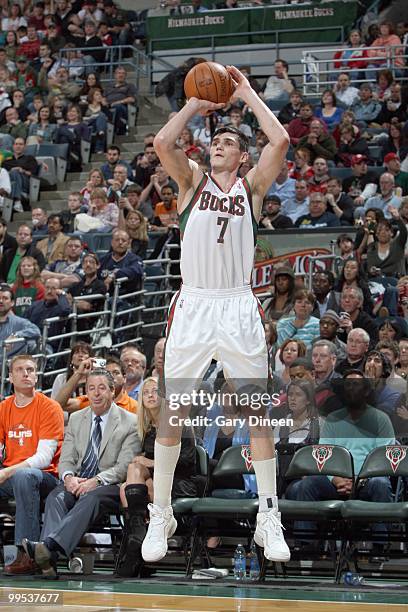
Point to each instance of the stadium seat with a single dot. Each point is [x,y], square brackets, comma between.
[375,153]
[318,460]
[391,461]
[340,173]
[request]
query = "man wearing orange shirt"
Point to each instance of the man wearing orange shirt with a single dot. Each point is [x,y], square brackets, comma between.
[121,398]
[165,212]
[31,435]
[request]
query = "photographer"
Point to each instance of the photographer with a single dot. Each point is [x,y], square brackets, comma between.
[271,214]
[366,232]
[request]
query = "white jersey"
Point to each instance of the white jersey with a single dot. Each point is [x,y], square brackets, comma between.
[218,233]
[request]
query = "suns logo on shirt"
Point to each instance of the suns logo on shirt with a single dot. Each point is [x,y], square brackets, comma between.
[20,432]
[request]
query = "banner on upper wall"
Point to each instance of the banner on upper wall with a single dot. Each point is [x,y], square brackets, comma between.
[183,28]
[294,249]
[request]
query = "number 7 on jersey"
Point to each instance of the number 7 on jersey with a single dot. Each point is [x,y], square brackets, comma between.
[223,221]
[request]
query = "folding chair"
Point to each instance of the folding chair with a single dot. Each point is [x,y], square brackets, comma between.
[318,460]
[391,461]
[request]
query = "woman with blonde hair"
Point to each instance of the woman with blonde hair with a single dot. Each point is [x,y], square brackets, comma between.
[96,180]
[106,212]
[137,491]
[135,225]
[28,287]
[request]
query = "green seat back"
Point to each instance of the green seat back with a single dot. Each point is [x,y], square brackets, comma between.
[232,461]
[390,460]
[324,459]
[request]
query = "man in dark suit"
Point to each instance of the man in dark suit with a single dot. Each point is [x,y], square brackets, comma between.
[24,247]
[99,444]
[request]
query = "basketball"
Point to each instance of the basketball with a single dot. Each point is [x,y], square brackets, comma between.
[209,81]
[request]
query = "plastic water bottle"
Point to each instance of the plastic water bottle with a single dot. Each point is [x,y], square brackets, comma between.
[254,570]
[353,579]
[240,563]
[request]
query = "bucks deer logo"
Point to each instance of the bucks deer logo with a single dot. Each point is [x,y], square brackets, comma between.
[321,454]
[395,454]
[247,457]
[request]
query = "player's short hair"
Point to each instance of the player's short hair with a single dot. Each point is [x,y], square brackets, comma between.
[242,139]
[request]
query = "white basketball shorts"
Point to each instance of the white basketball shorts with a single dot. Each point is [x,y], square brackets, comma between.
[225,325]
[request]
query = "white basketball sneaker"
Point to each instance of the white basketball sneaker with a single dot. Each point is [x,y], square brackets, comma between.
[269,536]
[162,525]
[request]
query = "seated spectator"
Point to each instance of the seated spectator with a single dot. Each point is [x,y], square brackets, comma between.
[300,127]
[112,160]
[118,96]
[13,128]
[328,111]
[366,108]
[283,186]
[324,359]
[352,314]
[357,345]
[19,104]
[301,369]
[393,108]
[36,19]
[320,178]
[96,180]
[339,203]
[145,164]
[236,120]
[151,194]
[72,132]
[134,363]
[31,47]
[291,110]
[345,244]
[7,241]
[11,45]
[92,81]
[119,184]
[395,148]
[96,116]
[318,142]
[165,213]
[14,20]
[353,57]
[131,202]
[323,289]
[352,275]
[135,225]
[53,245]
[305,428]
[288,352]
[302,168]
[79,352]
[378,56]
[138,488]
[377,369]
[12,256]
[318,215]
[383,79]
[282,300]
[54,39]
[390,349]
[402,369]
[107,213]
[301,325]
[271,214]
[386,255]
[298,205]
[75,207]
[89,284]
[71,404]
[82,472]
[157,363]
[67,270]
[362,184]
[57,108]
[350,145]
[329,326]
[26,79]
[32,430]
[7,84]
[366,233]
[360,428]
[14,327]
[20,168]
[39,221]
[345,93]
[120,262]
[28,287]
[386,200]
[42,130]
[279,86]
[54,304]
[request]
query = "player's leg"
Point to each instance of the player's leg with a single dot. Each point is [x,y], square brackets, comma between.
[189,348]
[243,353]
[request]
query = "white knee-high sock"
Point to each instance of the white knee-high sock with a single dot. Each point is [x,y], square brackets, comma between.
[165,461]
[265,472]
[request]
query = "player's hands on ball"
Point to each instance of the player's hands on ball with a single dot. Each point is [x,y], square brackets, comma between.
[240,83]
[204,107]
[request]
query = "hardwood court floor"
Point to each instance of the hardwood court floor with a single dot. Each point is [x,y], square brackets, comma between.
[83,596]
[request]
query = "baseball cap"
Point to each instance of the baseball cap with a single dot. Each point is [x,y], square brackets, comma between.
[21,58]
[358,159]
[272,198]
[389,157]
[333,316]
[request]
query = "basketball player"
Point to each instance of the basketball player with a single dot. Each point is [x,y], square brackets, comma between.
[215,314]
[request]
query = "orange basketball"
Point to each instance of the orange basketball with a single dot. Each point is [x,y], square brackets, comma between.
[209,81]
